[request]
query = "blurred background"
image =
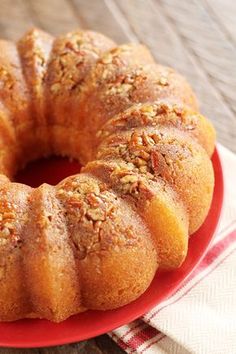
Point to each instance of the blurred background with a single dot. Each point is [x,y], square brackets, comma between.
[198,38]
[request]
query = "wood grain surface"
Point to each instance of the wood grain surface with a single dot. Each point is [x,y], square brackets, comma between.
[198,38]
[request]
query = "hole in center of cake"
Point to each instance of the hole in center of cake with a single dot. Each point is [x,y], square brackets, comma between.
[47,170]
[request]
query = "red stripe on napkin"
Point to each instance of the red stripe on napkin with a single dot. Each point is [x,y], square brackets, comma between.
[211,256]
[147,333]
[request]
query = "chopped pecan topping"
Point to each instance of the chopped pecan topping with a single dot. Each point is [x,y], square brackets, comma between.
[163,81]
[55,88]
[129,179]
[8,231]
[94,217]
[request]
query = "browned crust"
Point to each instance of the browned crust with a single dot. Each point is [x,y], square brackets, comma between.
[69,248]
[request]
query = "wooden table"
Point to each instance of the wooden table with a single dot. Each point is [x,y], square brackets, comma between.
[198,38]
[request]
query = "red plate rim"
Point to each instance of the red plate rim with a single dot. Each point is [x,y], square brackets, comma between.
[41,333]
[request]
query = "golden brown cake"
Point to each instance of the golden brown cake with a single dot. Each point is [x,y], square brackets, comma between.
[96,240]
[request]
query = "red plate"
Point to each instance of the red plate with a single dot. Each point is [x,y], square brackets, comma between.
[39,333]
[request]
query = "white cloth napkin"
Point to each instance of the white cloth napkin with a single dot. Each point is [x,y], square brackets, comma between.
[200,317]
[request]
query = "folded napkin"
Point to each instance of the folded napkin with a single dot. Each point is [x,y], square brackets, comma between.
[200,317]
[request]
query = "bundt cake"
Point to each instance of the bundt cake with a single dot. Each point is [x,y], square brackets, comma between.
[95,240]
